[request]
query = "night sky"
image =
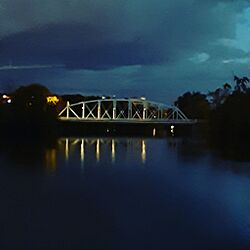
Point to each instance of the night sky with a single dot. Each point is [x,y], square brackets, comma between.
[155,48]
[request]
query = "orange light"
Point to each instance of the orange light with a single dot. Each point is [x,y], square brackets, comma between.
[6,97]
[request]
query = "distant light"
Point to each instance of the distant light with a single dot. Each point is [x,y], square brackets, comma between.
[53,100]
[6,98]
[172,129]
[143,98]
[103,97]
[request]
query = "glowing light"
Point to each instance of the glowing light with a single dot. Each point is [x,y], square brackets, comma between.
[143,151]
[154,132]
[53,100]
[50,158]
[98,150]
[67,149]
[172,130]
[113,150]
[82,152]
[6,98]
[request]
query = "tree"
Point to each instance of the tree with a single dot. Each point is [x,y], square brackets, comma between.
[220,95]
[241,83]
[194,105]
[29,104]
[30,98]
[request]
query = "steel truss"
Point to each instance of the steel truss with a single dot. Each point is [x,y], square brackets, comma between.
[122,110]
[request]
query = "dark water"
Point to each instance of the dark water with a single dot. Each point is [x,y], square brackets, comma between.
[122,193]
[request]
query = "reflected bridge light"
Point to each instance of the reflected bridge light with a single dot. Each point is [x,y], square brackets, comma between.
[113,150]
[154,132]
[67,149]
[98,150]
[82,151]
[50,158]
[143,151]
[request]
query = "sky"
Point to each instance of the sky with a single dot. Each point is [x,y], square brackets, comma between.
[154,48]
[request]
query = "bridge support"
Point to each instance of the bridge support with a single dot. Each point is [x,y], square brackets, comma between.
[130,110]
[83,110]
[114,110]
[99,110]
[68,107]
[144,116]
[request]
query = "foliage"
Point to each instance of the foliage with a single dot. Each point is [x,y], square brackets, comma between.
[241,83]
[231,118]
[194,105]
[220,95]
[31,97]
[29,105]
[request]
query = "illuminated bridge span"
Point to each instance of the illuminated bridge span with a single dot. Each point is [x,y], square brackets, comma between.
[124,111]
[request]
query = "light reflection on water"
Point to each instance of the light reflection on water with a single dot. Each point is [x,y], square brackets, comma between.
[102,148]
[142,193]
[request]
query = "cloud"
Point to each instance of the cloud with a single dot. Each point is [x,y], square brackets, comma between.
[243,60]
[200,57]
[159,47]
[99,34]
[22,67]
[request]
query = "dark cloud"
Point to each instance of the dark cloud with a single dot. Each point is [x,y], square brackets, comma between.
[76,46]
[180,45]
[103,34]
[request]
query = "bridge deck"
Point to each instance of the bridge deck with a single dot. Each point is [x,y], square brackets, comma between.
[129,121]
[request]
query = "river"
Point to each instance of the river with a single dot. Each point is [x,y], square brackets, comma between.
[122,193]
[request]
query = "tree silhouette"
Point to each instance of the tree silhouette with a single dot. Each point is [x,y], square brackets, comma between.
[220,95]
[194,105]
[241,83]
[31,97]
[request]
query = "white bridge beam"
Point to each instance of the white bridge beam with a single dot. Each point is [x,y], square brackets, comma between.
[123,110]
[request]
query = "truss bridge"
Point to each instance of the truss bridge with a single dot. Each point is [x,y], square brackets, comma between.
[131,111]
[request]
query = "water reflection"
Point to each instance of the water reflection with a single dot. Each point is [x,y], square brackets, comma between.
[51,159]
[113,151]
[106,151]
[103,148]
[185,191]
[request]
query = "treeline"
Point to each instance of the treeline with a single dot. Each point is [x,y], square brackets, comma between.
[33,108]
[226,109]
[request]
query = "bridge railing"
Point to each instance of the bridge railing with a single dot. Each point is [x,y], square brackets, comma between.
[122,109]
